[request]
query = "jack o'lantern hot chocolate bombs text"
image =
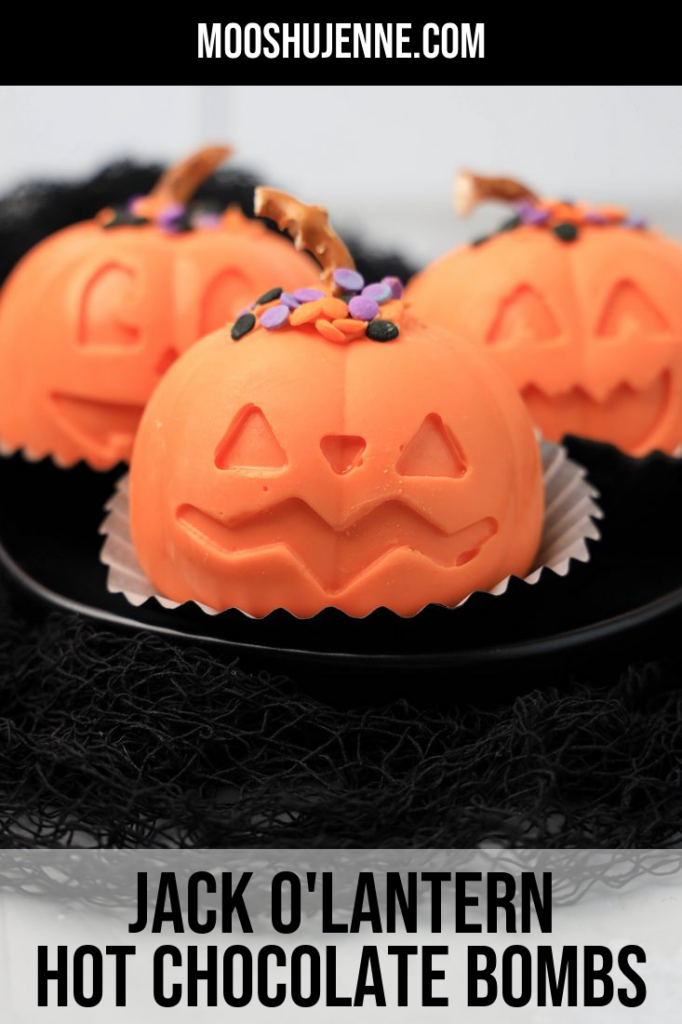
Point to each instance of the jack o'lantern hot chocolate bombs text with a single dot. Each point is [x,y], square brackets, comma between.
[582,307]
[332,449]
[92,318]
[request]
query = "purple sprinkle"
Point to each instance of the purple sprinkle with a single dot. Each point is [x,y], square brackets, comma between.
[396,286]
[533,217]
[309,294]
[378,292]
[530,214]
[636,222]
[275,317]
[537,217]
[348,280]
[362,307]
[170,214]
[131,202]
[595,217]
[289,300]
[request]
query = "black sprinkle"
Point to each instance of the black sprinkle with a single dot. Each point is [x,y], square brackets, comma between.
[182,224]
[480,240]
[510,224]
[382,330]
[243,325]
[124,218]
[270,296]
[566,232]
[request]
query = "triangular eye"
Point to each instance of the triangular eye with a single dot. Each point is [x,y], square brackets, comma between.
[433,451]
[629,308]
[523,316]
[103,312]
[250,443]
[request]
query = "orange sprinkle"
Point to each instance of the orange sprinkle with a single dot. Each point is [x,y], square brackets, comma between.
[350,327]
[613,212]
[563,213]
[330,332]
[305,313]
[334,309]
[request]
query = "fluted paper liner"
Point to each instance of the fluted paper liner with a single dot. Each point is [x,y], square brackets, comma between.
[571,511]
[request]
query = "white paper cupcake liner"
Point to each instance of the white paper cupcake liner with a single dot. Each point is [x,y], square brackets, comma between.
[7,452]
[571,511]
[28,455]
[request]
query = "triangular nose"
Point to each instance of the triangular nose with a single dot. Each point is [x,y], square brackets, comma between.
[342,452]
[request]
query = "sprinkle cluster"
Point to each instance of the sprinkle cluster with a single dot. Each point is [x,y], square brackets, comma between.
[122,217]
[354,309]
[565,218]
[174,219]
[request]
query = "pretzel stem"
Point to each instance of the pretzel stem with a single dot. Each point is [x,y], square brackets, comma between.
[179,183]
[308,226]
[472,189]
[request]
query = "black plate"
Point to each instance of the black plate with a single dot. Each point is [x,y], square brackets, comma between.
[49,544]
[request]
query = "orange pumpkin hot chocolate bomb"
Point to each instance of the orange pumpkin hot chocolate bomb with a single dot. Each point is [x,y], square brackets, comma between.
[93,316]
[332,449]
[581,305]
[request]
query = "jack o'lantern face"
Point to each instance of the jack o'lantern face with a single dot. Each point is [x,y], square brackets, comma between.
[92,319]
[590,332]
[338,551]
[312,476]
[98,377]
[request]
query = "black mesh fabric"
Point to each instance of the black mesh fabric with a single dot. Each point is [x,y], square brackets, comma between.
[132,740]
[135,741]
[35,210]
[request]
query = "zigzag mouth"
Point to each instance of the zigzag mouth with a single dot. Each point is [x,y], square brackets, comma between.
[626,416]
[334,557]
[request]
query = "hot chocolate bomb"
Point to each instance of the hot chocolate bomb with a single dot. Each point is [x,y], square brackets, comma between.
[93,316]
[333,449]
[582,307]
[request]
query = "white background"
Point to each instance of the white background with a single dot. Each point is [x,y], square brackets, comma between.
[382,158]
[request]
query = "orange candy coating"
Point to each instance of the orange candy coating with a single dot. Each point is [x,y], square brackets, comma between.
[288,471]
[91,319]
[589,331]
